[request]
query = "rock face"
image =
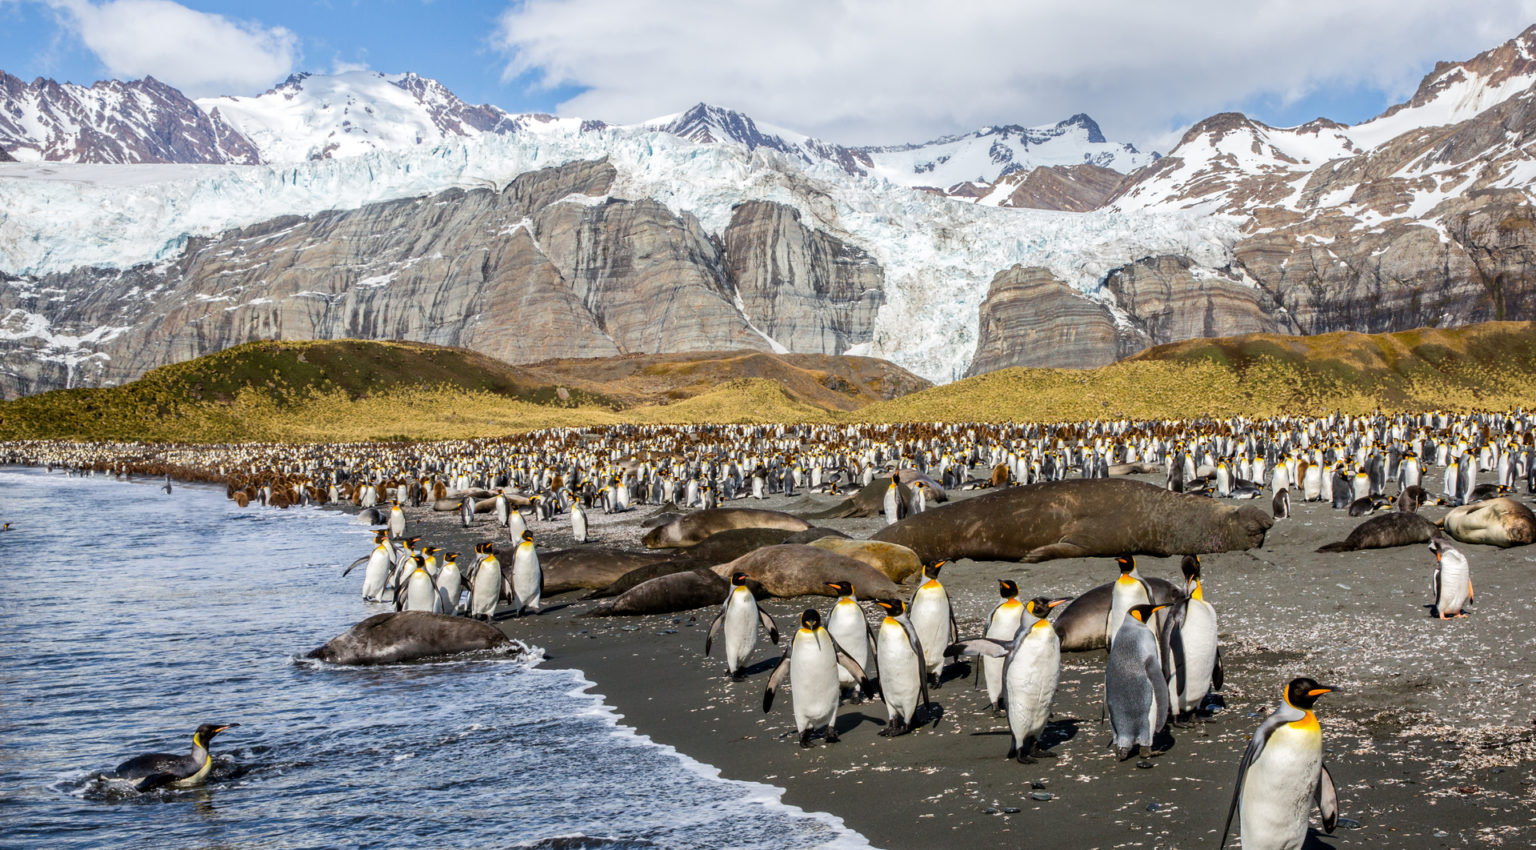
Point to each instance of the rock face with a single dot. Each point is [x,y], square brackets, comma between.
[113,122]
[1074,188]
[807,290]
[1032,319]
[549,267]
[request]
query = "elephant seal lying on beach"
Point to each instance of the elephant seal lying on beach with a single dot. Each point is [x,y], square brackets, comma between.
[897,562]
[407,636]
[585,567]
[1496,522]
[1078,519]
[1397,528]
[798,570]
[643,574]
[1082,626]
[667,594]
[696,527]
[870,499]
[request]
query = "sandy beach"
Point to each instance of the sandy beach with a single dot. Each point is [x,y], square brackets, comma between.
[1430,740]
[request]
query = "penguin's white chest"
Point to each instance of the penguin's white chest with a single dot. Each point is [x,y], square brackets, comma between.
[487,587]
[900,671]
[1004,625]
[420,595]
[930,617]
[813,679]
[1032,679]
[740,627]
[1125,596]
[1455,581]
[525,573]
[1199,640]
[376,574]
[1278,790]
[846,624]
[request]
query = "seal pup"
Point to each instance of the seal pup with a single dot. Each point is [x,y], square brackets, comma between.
[1384,531]
[811,662]
[688,529]
[1282,773]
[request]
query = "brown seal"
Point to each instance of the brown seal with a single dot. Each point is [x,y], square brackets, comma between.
[408,635]
[643,574]
[897,562]
[1080,518]
[693,528]
[667,594]
[1496,522]
[1082,626]
[1383,532]
[585,567]
[799,570]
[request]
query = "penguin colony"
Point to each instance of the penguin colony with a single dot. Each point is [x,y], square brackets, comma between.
[1164,661]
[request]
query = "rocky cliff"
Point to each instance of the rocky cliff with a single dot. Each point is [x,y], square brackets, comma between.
[551,265]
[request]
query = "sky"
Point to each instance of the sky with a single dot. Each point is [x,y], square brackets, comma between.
[849,71]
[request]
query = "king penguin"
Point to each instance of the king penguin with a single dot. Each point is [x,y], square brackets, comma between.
[903,672]
[396,520]
[934,618]
[1191,654]
[487,584]
[738,620]
[1135,690]
[527,577]
[1002,624]
[895,507]
[811,662]
[156,770]
[376,574]
[1452,581]
[1282,773]
[1129,591]
[848,627]
[1031,667]
[578,523]
[450,584]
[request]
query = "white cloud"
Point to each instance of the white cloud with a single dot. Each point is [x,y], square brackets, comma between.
[882,71]
[198,52]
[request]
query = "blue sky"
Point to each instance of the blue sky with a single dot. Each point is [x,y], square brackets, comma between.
[853,71]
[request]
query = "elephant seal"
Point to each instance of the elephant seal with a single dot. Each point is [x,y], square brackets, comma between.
[730,545]
[1134,469]
[1083,624]
[1497,522]
[689,529]
[1385,531]
[667,594]
[870,500]
[798,570]
[646,573]
[586,567]
[895,561]
[813,534]
[407,636]
[1079,518]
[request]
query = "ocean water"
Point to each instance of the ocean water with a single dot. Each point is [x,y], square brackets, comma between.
[129,617]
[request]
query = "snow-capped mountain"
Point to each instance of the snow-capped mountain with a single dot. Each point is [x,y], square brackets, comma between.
[313,116]
[140,121]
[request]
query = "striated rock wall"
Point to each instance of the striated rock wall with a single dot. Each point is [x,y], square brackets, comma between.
[1030,318]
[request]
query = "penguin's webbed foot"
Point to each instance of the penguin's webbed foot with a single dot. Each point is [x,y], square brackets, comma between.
[805,738]
[832,736]
[933,682]
[1123,753]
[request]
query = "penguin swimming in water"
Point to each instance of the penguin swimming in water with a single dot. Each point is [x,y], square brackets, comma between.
[1282,773]
[1002,624]
[1129,591]
[1452,581]
[848,627]
[932,615]
[157,770]
[903,672]
[1031,667]
[1191,653]
[1135,689]
[527,576]
[811,662]
[738,620]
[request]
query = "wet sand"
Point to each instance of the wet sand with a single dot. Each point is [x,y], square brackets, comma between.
[1430,743]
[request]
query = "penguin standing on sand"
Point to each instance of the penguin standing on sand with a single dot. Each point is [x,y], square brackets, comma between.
[515,524]
[487,585]
[396,520]
[1281,504]
[527,576]
[934,618]
[848,627]
[1002,624]
[467,511]
[1031,667]
[895,506]
[1282,773]
[738,620]
[1135,689]
[903,672]
[578,523]
[811,662]
[1129,590]
[1452,582]
[1191,653]
[450,584]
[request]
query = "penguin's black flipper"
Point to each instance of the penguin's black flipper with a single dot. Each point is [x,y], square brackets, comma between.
[1327,800]
[774,680]
[1250,755]
[769,624]
[847,663]
[160,780]
[356,563]
[714,629]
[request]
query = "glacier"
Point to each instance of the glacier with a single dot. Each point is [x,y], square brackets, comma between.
[939,255]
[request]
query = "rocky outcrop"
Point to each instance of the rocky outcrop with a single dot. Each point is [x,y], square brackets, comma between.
[1169,299]
[1030,318]
[1074,188]
[113,122]
[551,266]
[809,291]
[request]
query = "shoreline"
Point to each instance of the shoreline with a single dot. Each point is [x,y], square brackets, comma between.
[1431,735]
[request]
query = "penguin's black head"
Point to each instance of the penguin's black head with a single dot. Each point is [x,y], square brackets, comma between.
[810,620]
[380,535]
[1143,613]
[482,548]
[931,571]
[895,478]
[893,607]
[1007,588]
[431,550]
[1041,607]
[412,541]
[451,557]
[739,579]
[1303,692]
[1190,566]
[421,562]
[205,732]
[527,536]
[843,588]
[1126,563]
